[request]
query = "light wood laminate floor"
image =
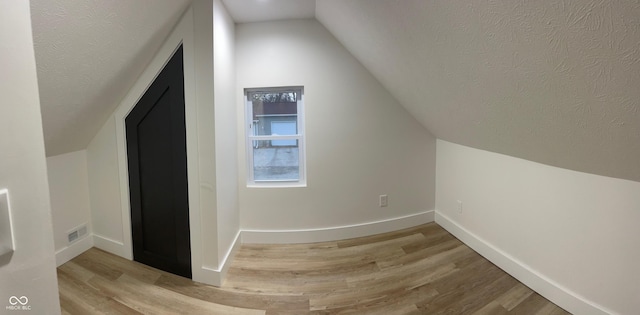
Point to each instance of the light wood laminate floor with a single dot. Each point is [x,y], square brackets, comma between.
[422,270]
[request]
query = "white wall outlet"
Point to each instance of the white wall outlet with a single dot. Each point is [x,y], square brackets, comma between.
[384,201]
[459,206]
[6,227]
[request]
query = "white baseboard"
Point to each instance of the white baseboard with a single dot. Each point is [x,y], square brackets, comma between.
[111,246]
[214,276]
[546,287]
[73,250]
[336,233]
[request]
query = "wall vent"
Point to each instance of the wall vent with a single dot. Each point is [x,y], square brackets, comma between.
[76,233]
[72,236]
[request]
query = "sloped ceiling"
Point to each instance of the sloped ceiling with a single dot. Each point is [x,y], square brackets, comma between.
[247,11]
[88,54]
[556,82]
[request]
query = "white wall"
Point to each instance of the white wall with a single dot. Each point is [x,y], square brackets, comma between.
[206,154]
[360,142]
[224,72]
[70,206]
[30,270]
[571,236]
[104,191]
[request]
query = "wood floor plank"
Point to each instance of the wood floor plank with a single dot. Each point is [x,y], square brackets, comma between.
[493,308]
[368,291]
[467,278]
[477,297]
[233,298]
[457,289]
[421,270]
[88,261]
[437,237]
[76,271]
[134,269]
[240,277]
[446,256]
[514,296]
[156,300]
[549,309]
[78,297]
[428,252]
[397,302]
[332,260]
[531,305]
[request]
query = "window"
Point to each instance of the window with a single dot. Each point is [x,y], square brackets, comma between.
[275,137]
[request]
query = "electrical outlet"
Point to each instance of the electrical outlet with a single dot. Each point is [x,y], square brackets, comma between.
[384,201]
[459,206]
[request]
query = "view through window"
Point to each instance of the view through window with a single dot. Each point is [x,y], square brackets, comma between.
[275,138]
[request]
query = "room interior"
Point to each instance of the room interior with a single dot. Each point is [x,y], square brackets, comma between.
[513,125]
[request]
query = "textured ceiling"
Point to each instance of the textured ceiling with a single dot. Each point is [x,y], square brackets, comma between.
[88,54]
[556,82]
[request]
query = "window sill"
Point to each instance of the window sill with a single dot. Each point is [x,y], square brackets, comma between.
[277,185]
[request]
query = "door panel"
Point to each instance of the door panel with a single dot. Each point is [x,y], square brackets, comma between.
[156,151]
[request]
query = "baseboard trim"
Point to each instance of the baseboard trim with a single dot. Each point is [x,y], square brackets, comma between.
[336,233]
[565,298]
[111,246]
[213,276]
[73,250]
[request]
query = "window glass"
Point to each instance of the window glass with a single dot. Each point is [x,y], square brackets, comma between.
[275,136]
[275,162]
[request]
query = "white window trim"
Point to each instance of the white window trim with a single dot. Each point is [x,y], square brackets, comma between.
[250,137]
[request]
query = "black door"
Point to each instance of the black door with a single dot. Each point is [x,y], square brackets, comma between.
[156,150]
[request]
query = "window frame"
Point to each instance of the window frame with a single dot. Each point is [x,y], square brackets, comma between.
[300,137]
